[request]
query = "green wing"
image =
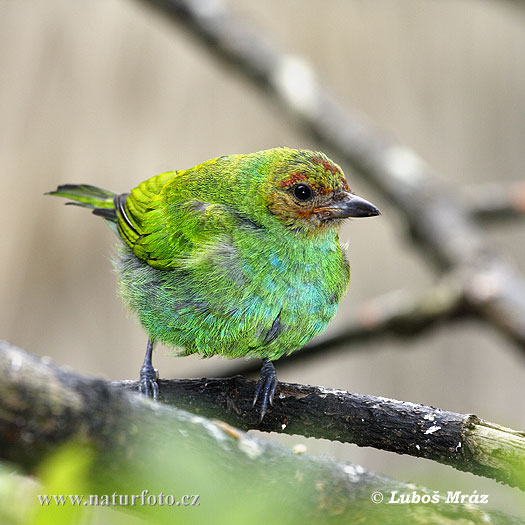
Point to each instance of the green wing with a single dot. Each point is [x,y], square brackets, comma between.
[164,226]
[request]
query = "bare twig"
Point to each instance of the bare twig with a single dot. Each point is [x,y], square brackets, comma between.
[496,201]
[43,407]
[436,215]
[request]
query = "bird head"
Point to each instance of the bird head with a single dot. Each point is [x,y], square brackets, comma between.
[308,193]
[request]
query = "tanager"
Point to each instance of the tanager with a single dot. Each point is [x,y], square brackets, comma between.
[238,256]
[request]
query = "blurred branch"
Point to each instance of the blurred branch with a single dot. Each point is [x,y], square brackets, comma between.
[395,314]
[496,201]
[437,216]
[44,406]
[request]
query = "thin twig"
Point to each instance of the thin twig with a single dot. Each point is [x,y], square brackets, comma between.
[497,201]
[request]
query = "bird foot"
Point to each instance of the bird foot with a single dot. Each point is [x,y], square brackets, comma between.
[265,386]
[148,382]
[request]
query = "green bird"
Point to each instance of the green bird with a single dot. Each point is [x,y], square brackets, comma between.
[238,256]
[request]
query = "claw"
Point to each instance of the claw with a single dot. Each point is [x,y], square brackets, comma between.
[148,382]
[266,385]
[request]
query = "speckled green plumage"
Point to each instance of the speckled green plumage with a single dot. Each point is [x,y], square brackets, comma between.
[223,259]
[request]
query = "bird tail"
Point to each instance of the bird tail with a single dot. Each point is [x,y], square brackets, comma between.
[101,202]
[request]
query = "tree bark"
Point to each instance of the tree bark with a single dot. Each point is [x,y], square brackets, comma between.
[462,441]
[141,443]
[44,406]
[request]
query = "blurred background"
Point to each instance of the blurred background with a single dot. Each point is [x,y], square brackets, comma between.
[109,93]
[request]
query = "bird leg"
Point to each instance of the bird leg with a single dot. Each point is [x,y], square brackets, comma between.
[149,375]
[266,385]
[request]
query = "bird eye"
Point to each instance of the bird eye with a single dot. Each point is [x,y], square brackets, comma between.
[302,192]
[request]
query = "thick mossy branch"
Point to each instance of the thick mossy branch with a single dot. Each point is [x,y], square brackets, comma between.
[44,406]
[497,447]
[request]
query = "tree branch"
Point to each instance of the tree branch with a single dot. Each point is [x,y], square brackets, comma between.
[438,218]
[496,201]
[462,441]
[44,407]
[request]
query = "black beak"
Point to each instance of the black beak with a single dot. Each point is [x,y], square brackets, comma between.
[350,206]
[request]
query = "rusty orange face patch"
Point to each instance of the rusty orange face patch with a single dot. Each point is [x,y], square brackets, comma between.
[345,184]
[327,165]
[296,177]
[293,179]
[304,214]
[326,180]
